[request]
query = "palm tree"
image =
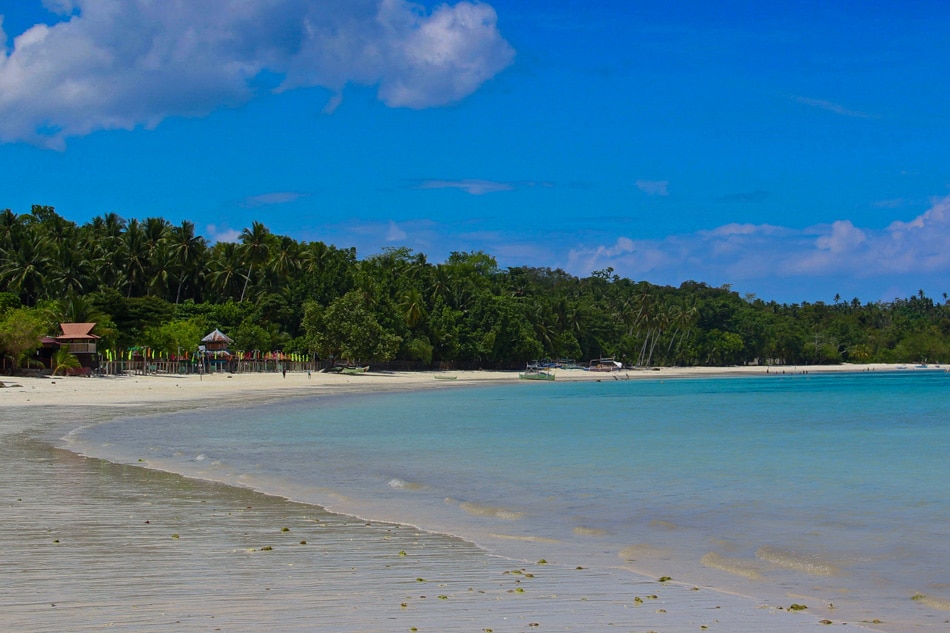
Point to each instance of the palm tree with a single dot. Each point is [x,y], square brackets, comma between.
[283,260]
[64,360]
[11,226]
[186,249]
[73,271]
[225,270]
[161,263]
[132,250]
[101,241]
[156,255]
[255,249]
[412,307]
[26,266]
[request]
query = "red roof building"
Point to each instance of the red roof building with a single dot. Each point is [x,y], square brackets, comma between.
[79,340]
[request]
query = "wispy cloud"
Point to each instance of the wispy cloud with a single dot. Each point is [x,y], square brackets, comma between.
[269,199]
[893,203]
[472,186]
[833,107]
[122,65]
[653,187]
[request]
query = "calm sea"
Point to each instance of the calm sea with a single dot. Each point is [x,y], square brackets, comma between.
[827,488]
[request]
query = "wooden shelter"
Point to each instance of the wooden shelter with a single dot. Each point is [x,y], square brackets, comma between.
[214,352]
[217,341]
[81,342]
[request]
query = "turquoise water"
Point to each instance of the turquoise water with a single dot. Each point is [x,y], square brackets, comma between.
[832,487]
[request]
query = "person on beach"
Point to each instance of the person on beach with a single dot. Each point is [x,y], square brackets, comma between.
[284,371]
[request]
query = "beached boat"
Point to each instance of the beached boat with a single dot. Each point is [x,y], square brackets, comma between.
[535,372]
[445,377]
[568,363]
[605,364]
[354,370]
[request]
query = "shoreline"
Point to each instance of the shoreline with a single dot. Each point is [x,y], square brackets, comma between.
[166,389]
[494,580]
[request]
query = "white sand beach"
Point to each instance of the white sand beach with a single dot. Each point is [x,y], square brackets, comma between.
[167,389]
[89,545]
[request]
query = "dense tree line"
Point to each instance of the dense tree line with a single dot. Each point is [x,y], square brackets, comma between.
[151,282]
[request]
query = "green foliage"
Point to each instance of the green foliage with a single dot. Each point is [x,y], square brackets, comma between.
[722,348]
[139,279]
[175,337]
[251,336]
[348,329]
[8,301]
[20,332]
[420,349]
[63,361]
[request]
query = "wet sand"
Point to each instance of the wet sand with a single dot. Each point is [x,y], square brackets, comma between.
[90,545]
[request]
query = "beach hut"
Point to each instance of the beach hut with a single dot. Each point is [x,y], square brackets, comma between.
[216,341]
[81,342]
[214,350]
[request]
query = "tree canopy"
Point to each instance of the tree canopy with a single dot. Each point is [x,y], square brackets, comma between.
[149,282]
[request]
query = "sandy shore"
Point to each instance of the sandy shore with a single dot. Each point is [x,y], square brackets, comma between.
[89,545]
[168,389]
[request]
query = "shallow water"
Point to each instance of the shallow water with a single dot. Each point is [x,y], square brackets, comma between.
[830,488]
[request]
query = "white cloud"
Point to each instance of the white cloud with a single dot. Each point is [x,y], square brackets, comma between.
[844,237]
[737,252]
[395,234]
[626,256]
[121,65]
[653,187]
[60,7]
[472,186]
[223,234]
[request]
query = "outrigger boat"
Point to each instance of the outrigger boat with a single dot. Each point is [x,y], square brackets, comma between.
[533,371]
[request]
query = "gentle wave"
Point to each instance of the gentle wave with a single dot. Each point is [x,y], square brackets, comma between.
[490,511]
[943,604]
[580,530]
[735,566]
[641,551]
[526,539]
[401,484]
[810,564]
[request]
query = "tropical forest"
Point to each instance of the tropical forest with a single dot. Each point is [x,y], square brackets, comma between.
[162,285]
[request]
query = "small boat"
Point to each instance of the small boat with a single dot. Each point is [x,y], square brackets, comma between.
[533,371]
[605,364]
[568,363]
[354,370]
[445,377]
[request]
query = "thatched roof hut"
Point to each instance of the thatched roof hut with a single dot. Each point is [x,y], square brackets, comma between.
[216,341]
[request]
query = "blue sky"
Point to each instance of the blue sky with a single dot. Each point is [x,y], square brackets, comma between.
[796,151]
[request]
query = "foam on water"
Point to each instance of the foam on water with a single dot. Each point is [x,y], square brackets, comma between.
[735,566]
[757,485]
[811,564]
